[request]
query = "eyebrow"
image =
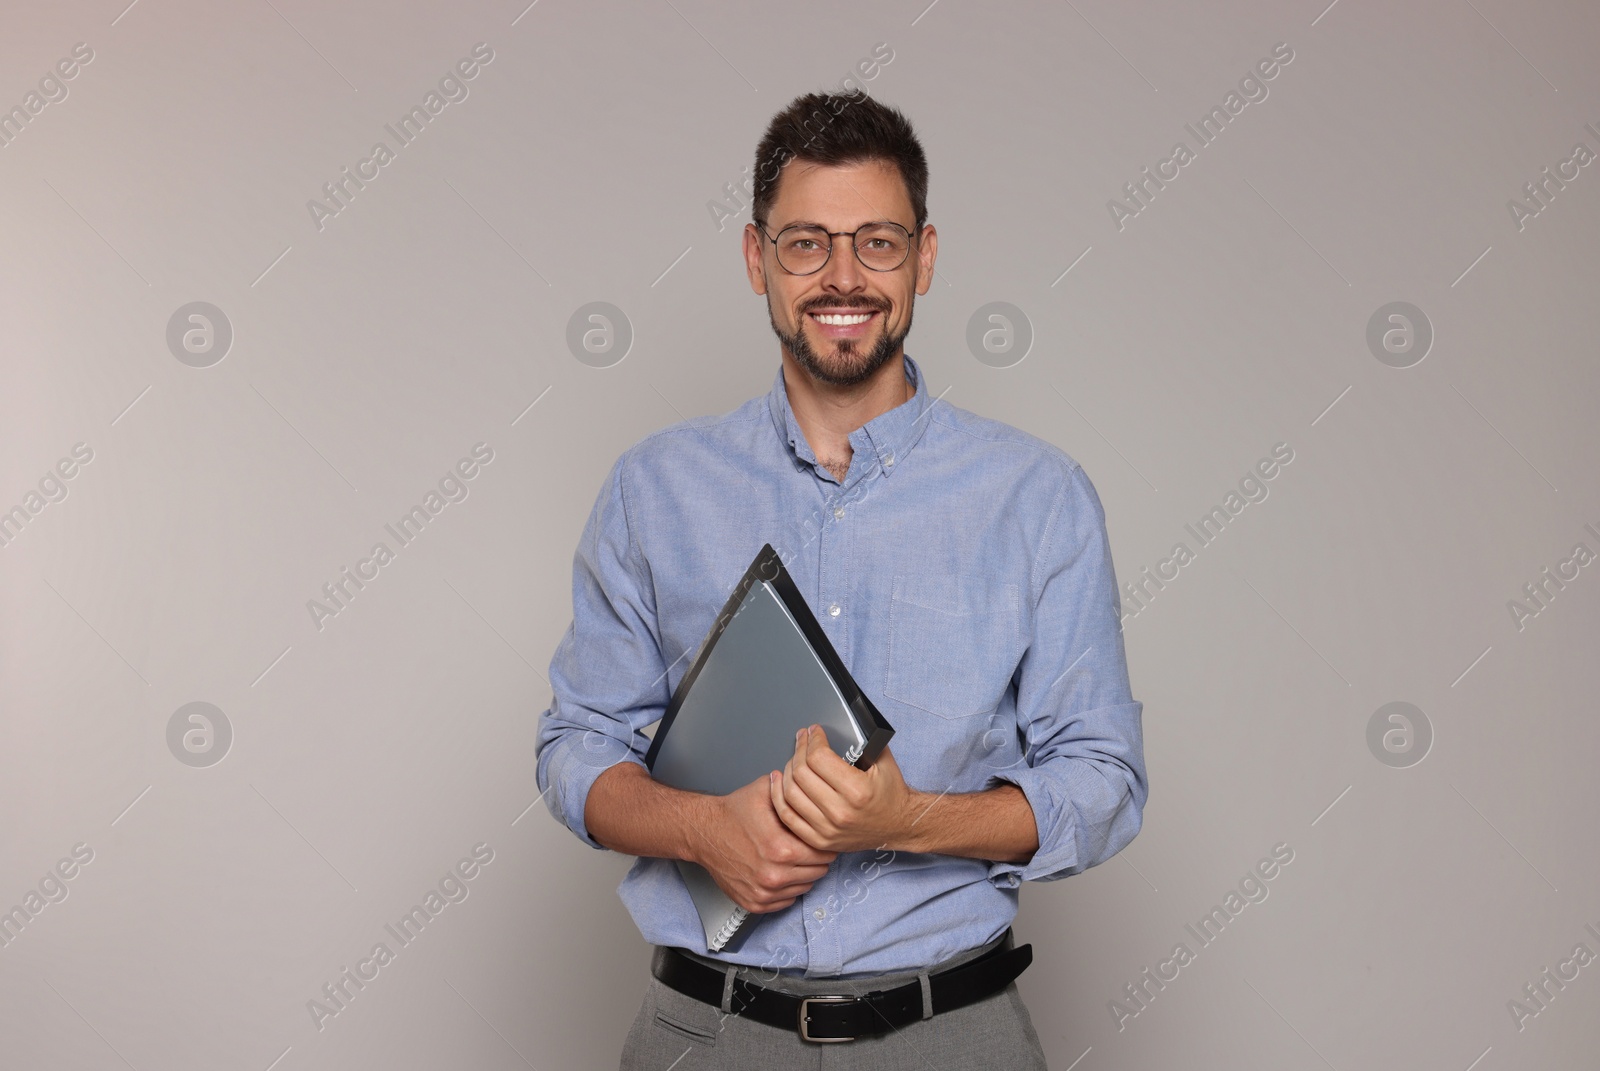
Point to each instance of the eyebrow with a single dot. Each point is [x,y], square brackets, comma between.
[819,226]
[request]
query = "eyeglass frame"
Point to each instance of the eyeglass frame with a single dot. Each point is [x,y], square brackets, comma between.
[913,240]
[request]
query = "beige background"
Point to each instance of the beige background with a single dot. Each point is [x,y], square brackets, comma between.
[368,356]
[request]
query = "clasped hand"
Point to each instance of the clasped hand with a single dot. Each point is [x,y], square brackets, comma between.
[832,805]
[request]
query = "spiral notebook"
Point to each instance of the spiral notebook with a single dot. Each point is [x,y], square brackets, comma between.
[764,671]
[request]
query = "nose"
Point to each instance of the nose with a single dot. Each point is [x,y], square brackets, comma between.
[843,270]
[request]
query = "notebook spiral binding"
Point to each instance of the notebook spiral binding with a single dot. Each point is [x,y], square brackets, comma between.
[730,927]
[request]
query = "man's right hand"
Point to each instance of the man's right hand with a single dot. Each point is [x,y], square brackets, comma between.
[753,857]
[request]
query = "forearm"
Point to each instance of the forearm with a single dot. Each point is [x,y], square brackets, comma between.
[996,824]
[630,812]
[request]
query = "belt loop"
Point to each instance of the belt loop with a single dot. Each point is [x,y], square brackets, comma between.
[727,988]
[927,995]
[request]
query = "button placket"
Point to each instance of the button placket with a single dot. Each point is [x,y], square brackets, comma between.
[824,944]
[824,955]
[833,547]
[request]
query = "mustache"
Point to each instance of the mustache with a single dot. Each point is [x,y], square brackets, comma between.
[863,305]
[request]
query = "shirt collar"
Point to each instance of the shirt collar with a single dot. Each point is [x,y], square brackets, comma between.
[888,436]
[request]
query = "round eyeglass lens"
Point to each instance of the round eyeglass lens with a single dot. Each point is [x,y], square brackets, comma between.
[881,247]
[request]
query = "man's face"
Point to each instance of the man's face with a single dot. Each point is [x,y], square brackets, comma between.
[840,199]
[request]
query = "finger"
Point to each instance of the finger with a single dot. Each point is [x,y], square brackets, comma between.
[830,767]
[791,786]
[792,888]
[817,792]
[808,873]
[809,858]
[791,881]
[787,777]
[817,857]
[793,820]
[802,824]
[804,809]
[801,791]
[784,812]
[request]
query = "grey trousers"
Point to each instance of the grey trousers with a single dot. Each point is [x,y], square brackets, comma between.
[678,1032]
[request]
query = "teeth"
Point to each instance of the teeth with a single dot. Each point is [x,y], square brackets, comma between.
[843,321]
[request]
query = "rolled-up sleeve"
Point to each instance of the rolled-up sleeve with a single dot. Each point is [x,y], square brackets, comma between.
[607,676]
[1084,746]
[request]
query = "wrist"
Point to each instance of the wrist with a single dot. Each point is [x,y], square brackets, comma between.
[702,817]
[917,822]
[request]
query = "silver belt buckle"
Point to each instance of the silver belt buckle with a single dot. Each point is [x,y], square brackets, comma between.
[805,1034]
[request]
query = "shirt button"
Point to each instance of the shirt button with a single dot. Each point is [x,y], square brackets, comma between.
[833,611]
[838,511]
[819,913]
[888,461]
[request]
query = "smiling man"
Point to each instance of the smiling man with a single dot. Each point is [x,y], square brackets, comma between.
[961,569]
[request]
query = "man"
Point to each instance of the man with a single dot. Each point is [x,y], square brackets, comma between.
[961,569]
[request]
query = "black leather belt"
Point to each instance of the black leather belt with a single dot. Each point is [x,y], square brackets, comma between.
[839,1017]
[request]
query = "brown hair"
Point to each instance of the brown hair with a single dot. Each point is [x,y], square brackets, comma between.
[834,129]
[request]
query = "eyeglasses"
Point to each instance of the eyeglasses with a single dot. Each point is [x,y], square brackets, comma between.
[803,249]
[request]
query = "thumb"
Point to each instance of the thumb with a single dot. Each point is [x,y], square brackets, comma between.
[887,762]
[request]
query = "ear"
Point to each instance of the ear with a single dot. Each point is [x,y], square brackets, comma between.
[927,252]
[753,266]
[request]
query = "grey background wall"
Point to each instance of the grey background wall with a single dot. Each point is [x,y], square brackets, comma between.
[224,468]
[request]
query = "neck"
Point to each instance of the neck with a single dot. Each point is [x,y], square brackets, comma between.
[827,413]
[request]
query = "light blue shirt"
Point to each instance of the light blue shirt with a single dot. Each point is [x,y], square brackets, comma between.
[963,574]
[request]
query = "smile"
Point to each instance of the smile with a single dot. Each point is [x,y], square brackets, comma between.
[843,323]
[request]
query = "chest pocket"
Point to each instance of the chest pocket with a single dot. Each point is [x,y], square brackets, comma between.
[954,642]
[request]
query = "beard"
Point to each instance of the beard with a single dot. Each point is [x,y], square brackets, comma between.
[846,364]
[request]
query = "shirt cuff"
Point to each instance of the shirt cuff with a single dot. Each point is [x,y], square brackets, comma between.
[1057,854]
[568,770]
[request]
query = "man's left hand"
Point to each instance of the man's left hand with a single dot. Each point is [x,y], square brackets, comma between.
[833,806]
